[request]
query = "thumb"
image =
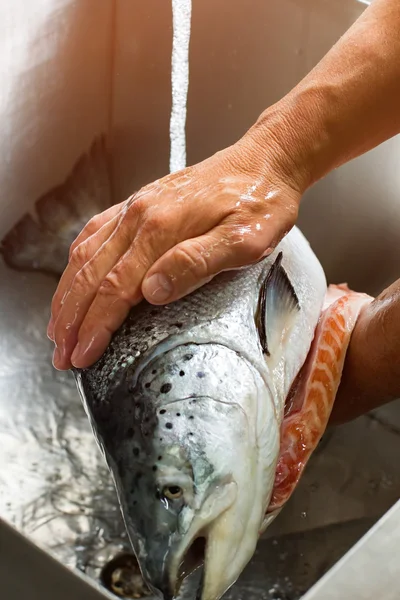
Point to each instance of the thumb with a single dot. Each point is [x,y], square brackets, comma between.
[194,262]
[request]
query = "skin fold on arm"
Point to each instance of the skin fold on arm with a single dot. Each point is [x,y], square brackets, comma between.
[230,210]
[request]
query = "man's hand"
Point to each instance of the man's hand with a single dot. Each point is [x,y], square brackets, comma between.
[171,237]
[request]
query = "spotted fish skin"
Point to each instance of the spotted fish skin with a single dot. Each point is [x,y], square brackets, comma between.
[187,397]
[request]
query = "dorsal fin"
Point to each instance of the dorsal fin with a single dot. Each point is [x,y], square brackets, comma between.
[278,305]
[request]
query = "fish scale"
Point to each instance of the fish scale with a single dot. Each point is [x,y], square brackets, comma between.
[146,327]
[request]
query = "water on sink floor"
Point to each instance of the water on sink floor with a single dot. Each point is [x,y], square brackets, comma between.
[54,485]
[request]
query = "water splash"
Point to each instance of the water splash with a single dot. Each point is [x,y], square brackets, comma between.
[181,22]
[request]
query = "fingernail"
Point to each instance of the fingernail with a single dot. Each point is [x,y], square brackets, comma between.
[157,288]
[89,350]
[267,252]
[57,358]
[76,355]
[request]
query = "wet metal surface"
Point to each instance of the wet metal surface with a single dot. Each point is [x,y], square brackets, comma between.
[55,488]
[375,556]
[27,571]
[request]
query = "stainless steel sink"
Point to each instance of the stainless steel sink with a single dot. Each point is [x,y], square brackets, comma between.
[54,486]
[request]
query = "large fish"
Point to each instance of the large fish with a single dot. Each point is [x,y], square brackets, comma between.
[208,409]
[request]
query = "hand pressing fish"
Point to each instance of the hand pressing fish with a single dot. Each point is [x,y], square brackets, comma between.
[208,409]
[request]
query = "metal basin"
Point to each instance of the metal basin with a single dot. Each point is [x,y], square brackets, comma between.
[54,486]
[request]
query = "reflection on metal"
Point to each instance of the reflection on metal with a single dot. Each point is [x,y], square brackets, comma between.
[370,569]
[28,572]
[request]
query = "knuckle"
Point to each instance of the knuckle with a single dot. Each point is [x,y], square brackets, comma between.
[154,223]
[136,207]
[84,279]
[291,214]
[110,286]
[113,286]
[79,255]
[192,258]
[72,248]
[253,249]
[90,228]
[93,225]
[248,244]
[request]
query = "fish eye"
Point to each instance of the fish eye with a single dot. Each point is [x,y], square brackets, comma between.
[172,492]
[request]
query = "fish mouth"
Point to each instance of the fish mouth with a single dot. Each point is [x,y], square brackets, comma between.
[184,565]
[192,559]
[196,548]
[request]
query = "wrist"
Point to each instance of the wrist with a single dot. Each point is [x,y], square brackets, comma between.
[293,135]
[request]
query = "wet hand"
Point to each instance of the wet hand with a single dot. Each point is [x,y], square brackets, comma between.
[170,238]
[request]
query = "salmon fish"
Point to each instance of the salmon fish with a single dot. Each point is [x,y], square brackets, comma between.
[208,409]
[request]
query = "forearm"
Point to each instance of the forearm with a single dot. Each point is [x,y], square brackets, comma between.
[347,105]
[371,375]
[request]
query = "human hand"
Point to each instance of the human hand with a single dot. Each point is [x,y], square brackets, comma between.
[371,374]
[170,238]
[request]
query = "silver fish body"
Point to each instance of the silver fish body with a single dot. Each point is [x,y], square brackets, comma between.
[187,404]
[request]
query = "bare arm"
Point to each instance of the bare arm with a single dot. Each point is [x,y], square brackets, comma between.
[348,104]
[371,376]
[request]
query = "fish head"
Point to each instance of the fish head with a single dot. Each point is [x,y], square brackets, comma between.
[186,465]
[187,404]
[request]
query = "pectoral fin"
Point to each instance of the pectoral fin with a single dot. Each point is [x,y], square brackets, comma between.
[278,306]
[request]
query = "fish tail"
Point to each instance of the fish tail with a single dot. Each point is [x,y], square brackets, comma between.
[313,398]
[40,241]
